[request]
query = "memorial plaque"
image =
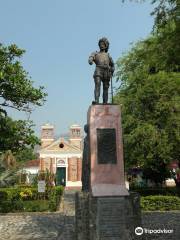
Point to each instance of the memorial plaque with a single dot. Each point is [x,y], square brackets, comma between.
[111,218]
[106,146]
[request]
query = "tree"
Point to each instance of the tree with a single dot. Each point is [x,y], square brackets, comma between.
[167,30]
[151,122]
[16,134]
[17,92]
[16,89]
[150,96]
[26,155]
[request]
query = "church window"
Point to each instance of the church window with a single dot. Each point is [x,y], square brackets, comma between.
[61,145]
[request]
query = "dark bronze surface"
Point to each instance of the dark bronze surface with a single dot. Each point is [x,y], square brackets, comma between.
[86,162]
[106,145]
[104,70]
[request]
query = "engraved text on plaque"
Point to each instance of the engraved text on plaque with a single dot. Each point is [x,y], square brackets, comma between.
[106,145]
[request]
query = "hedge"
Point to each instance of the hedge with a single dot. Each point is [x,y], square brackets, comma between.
[28,199]
[165,191]
[160,203]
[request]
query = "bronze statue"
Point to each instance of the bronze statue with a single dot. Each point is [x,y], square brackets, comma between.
[104,69]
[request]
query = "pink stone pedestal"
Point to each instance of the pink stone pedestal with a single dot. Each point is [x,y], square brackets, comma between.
[106,179]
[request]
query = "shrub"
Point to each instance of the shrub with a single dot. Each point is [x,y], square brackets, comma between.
[59,190]
[26,194]
[54,197]
[35,181]
[53,201]
[52,205]
[26,198]
[10,193]
[3,195]
[165,191]
[160,203]
[18,205]
[34,193]
[6,206]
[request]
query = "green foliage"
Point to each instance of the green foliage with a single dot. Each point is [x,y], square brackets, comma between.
[17,92]
[10,194]
[27,199]
[53,201]
[35,181]
[36,206]
[10,200]
[59,190]
[48,177]
[25,155]
[6,206]
[18,205]
[26,194]
[166,191]
[35,193]
[149,93]
[8,177]
[160,203]
[3,195]
[151,122]
[55,197]
[167,26]
[16,135]
[9,174]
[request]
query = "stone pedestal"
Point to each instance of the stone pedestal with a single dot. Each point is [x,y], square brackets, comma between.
[107,218]
[106,151]
[107,211]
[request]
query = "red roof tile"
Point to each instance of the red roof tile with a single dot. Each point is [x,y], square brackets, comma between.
[32,163]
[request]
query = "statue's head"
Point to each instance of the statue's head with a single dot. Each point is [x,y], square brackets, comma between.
[103,44]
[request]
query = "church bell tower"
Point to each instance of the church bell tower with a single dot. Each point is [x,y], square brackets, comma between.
[47,135]
[75,135]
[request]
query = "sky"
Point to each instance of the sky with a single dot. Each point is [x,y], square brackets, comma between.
[59,36]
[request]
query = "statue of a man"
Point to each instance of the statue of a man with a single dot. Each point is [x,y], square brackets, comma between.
[104,69]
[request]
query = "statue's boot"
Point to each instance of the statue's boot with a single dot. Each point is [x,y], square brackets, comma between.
[96,100]
[96,96]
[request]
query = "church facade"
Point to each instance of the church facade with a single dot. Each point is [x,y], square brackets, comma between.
[62,156]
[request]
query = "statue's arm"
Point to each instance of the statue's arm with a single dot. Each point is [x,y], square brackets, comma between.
[91,58]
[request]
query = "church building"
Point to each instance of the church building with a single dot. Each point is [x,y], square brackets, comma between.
[62,156]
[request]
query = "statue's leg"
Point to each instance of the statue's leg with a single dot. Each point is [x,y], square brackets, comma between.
[105,91]
[97,81]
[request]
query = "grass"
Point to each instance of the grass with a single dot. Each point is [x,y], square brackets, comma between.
[36,205]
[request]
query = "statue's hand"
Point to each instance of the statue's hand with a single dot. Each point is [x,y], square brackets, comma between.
[92,58]
[90,61]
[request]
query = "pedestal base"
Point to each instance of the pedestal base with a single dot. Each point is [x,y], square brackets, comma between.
[107,218]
